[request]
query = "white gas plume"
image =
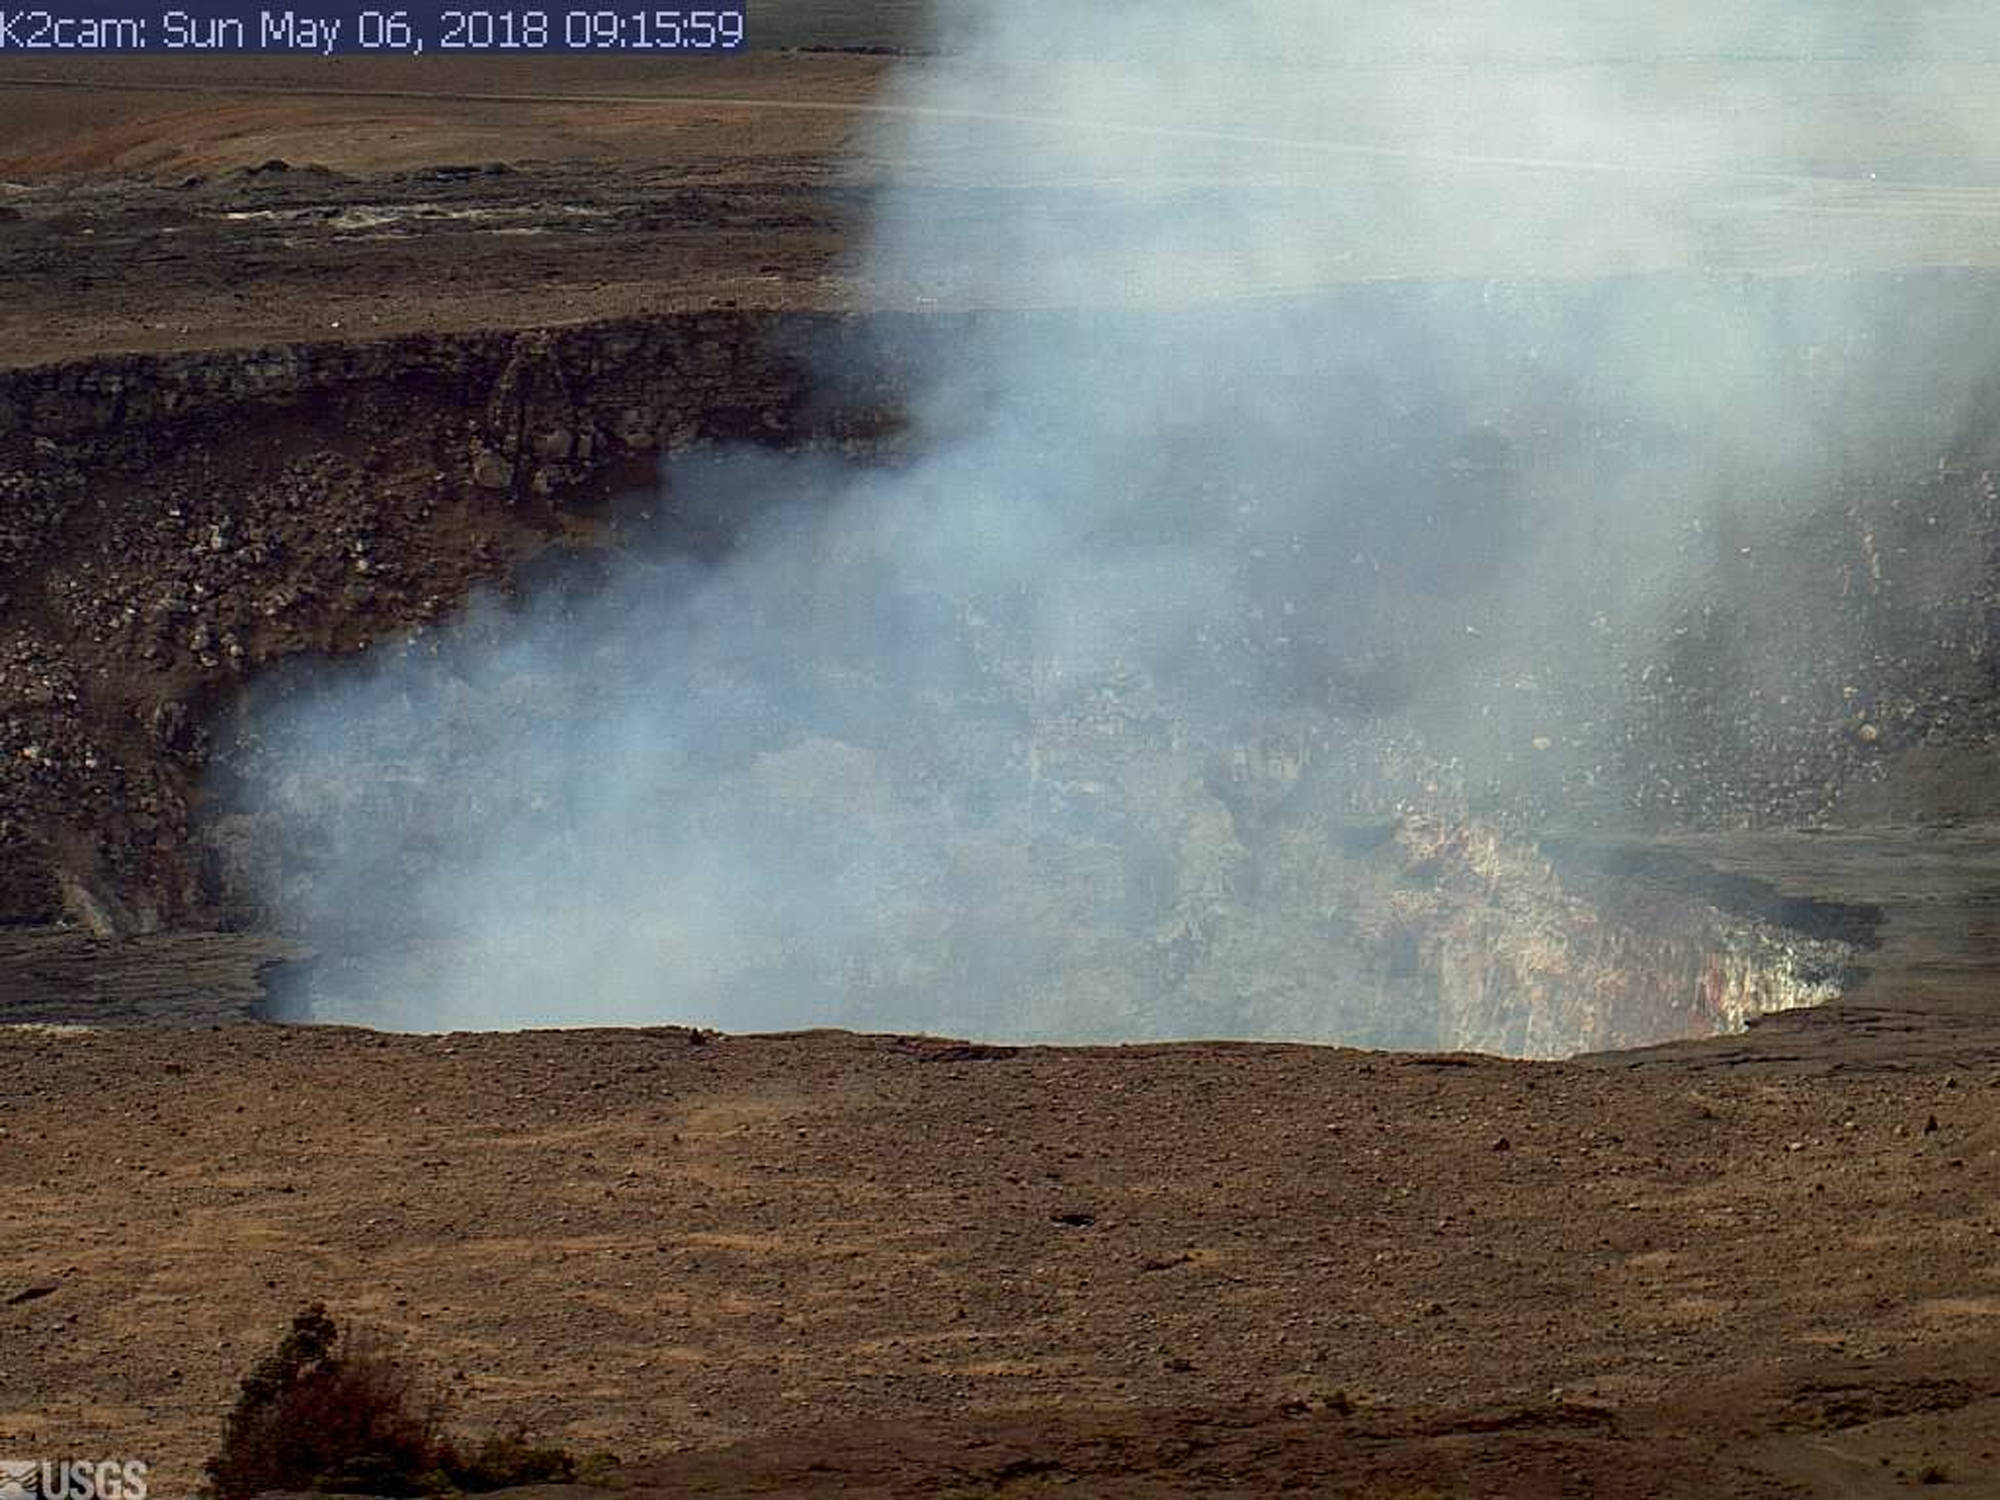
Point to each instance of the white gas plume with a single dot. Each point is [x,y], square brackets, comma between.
[1348,410]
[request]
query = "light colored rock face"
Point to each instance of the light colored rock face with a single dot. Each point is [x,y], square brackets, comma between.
[1527,965]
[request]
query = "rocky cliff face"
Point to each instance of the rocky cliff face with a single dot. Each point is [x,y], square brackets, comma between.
[168,525]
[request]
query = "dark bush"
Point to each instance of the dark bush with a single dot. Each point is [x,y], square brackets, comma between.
[312,1415]
[344,1416]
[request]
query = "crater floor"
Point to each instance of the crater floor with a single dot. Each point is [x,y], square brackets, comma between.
[898,1266]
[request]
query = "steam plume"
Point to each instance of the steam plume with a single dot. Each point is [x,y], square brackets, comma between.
[1341,448]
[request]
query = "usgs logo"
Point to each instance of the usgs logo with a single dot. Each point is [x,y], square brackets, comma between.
[72,1479]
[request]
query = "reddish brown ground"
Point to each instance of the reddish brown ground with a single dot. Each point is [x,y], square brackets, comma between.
[657,201]
[1153,1270]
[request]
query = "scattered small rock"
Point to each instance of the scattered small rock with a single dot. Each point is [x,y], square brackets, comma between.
[490,471]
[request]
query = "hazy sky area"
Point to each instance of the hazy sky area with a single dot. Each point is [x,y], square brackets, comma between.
[1359,460]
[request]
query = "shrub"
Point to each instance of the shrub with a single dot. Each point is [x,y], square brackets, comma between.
[345,1416]
[314,1414]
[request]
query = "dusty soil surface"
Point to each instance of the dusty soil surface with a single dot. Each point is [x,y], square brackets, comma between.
[192,216]
[892,1266]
